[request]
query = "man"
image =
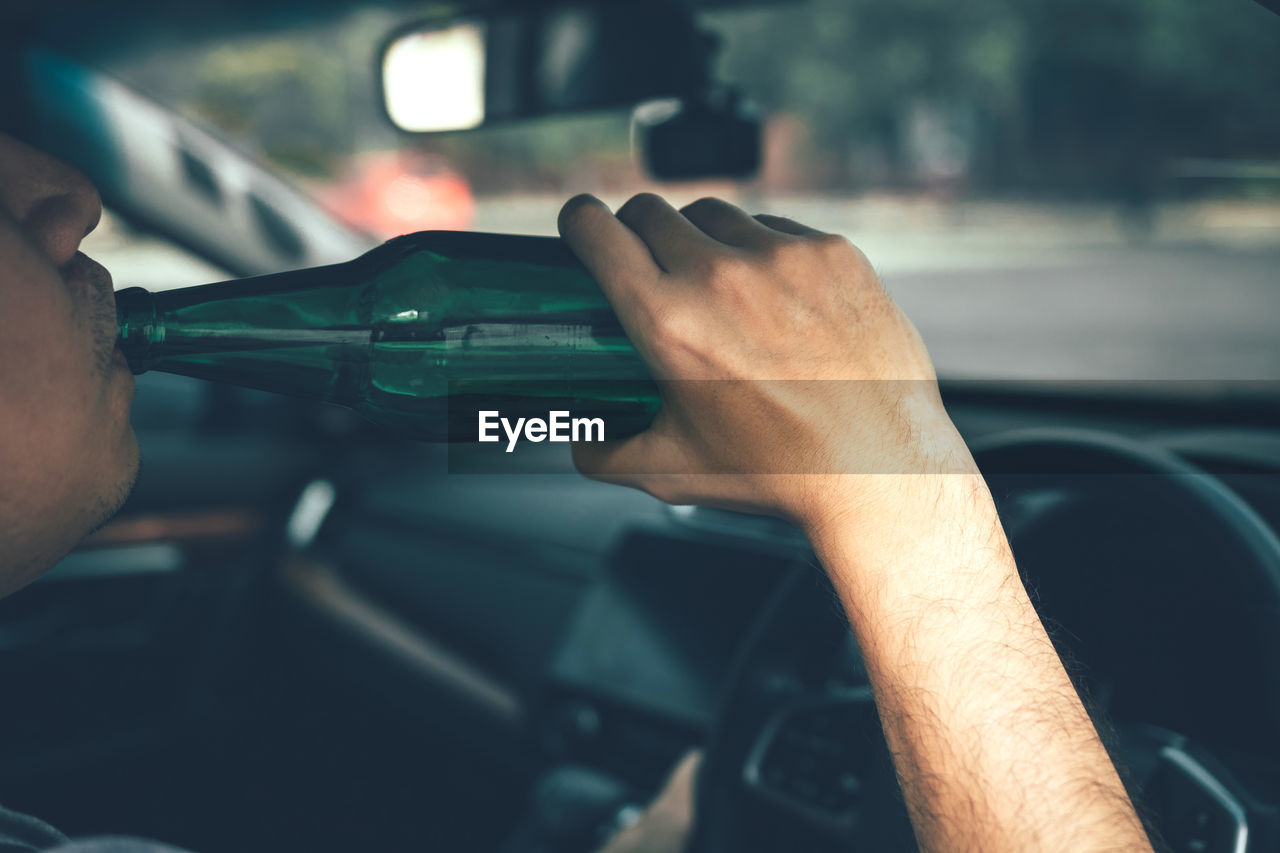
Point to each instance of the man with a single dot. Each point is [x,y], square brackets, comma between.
[827,414]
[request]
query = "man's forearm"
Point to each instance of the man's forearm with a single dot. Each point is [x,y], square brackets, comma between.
[993,747]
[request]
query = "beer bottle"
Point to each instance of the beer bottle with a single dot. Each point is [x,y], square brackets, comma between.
[419,334]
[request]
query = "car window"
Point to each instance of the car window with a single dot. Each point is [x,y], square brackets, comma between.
[1051,191]
[139,259]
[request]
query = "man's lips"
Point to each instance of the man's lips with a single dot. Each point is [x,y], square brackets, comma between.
[90,284]
[85,272]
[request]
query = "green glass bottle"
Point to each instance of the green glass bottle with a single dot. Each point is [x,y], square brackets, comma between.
[418,334]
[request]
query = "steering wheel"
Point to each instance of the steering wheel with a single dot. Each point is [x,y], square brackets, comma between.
[797,761]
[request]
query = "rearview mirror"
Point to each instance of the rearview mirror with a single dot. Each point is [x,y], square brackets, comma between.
[417,63]
[460,73]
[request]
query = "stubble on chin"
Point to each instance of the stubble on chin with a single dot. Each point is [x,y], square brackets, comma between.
[102,322]
[109,502]
[19,567]
[98,313]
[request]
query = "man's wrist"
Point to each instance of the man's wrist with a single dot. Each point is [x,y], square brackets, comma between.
[908,534]
[899,480]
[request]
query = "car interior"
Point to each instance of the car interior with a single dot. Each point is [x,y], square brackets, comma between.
[304,633]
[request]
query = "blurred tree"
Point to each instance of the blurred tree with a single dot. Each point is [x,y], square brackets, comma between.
[1115,88]
[1085,95]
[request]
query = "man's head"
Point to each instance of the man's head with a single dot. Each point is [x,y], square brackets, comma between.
[68,456]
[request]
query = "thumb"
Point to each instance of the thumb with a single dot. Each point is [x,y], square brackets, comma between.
[624,461]
[650,461]
[680,784]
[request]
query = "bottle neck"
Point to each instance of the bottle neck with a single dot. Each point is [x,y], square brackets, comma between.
[141,332]
[137,327]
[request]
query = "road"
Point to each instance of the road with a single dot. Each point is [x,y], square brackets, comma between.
[1153,314]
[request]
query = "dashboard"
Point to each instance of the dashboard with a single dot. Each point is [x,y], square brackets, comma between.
[561,586]
[660,632]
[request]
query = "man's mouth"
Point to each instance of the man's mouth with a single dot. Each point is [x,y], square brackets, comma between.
[91,286]
[84,272]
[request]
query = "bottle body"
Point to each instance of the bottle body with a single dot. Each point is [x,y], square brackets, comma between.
[418,334]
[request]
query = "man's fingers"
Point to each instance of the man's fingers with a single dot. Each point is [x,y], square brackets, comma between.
[728,224]
[787,226]
[665,826]
[674,241]
[611,252]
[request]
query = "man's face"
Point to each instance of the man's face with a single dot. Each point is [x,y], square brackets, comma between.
[68,456]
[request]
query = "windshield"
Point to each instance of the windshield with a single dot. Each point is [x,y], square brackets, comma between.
[1052,190]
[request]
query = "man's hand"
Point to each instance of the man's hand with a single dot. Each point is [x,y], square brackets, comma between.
[665,825]
[812,368]
[822,407]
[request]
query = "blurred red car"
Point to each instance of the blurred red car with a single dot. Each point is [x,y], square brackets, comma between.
[388,193]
